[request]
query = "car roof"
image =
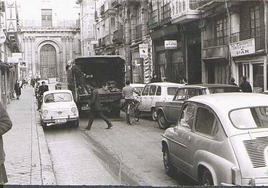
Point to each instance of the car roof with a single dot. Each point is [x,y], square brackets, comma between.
[229,101]
[58,91]
[166,84]
[209,86]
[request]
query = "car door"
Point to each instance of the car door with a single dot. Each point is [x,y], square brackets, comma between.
[203,136]
[173,108]
[144,98]
[151,98]
[183,132]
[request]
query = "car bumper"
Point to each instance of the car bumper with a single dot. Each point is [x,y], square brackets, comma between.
[50,122]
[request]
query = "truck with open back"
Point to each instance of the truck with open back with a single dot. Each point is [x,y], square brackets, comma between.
[107,72]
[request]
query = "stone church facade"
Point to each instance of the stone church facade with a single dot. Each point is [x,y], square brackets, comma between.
[46,50]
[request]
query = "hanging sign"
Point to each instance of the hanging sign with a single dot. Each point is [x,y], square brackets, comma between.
[171,44]
[143,50]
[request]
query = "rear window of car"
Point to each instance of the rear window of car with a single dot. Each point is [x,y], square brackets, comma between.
[58,97]
[223,89]
[250,118]
[171,90]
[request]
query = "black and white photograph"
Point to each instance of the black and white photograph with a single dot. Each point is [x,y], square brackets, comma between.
[146,93]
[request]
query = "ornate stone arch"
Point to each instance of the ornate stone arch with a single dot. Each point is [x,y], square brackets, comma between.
[58,49]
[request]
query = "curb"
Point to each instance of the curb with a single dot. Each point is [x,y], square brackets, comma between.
[46,166]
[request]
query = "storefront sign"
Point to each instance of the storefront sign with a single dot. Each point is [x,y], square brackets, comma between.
[143,50]
[244,47]
[171,44]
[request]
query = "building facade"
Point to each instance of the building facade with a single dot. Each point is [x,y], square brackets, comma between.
[48,44]
[121,28]
[234,42]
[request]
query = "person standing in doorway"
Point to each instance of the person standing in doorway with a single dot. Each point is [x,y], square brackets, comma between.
[5,125]
[17,89]
[95,108]
[245,85]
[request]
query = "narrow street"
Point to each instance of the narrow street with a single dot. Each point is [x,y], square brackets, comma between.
[123,155]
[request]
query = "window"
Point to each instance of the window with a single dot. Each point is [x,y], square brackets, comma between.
[250,118]
[146,90]
[112,23]
[158,91]
[221,31]
[46,17]
[58,97]
[152,90]
[187,118]
[254,21]
[205,122]
[181,95]
[171,90]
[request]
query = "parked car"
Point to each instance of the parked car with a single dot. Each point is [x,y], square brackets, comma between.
[167,112]
[156,92]
[59,108]
[220,139]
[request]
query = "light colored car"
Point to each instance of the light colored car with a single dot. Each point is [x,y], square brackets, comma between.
[167,112]
[58,107]
[220,139]
[156,92]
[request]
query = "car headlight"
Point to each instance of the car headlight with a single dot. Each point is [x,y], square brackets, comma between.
[44,113]
[74,110]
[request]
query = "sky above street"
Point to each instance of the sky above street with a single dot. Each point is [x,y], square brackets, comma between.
[62,9]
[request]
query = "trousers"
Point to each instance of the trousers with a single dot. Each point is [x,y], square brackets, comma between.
[92,116]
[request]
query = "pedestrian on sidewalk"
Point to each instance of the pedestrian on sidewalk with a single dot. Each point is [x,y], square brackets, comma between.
[5,125]
[95,108]
[17,89]
[41,90]
[245,85]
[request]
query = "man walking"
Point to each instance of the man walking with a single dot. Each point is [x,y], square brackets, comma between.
[245,85]
[96,109]
[5,125]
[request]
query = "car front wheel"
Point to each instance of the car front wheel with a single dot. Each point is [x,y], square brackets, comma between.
[206,178]
[154,114]
[169,168]
[161,120]
[76,124]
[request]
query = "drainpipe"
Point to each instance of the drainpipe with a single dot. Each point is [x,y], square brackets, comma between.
[265,43]
[229,41]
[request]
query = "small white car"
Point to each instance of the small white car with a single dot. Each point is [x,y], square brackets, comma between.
[157,92]
[59,108]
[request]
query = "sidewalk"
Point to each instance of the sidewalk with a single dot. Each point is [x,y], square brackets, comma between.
[27,158]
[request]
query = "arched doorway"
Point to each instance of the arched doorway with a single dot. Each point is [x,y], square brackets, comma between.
[48,62]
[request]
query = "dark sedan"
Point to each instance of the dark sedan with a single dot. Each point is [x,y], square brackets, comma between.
[167,112]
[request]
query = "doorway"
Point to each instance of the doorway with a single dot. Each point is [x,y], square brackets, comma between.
[48,63]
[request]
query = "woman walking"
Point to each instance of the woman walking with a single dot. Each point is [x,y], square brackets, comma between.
[17,89]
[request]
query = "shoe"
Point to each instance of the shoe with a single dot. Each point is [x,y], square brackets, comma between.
[109,126]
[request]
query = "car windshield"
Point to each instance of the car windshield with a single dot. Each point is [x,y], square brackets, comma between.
[223,89]
[58,97]
[171,90]
[250,118]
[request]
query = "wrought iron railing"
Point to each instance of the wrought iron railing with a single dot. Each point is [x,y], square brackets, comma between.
[165,13]
[255,33]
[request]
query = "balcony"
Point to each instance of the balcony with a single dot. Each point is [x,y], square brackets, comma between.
[258,34]
[116,3]
[186,12]
[219,41]
[138,35]
[165,14]
[118,36]
[154,19]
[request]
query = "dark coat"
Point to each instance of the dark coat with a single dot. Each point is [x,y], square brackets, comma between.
[95,101]
[246,87]
[5,125]
[17,88]
[42,89]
